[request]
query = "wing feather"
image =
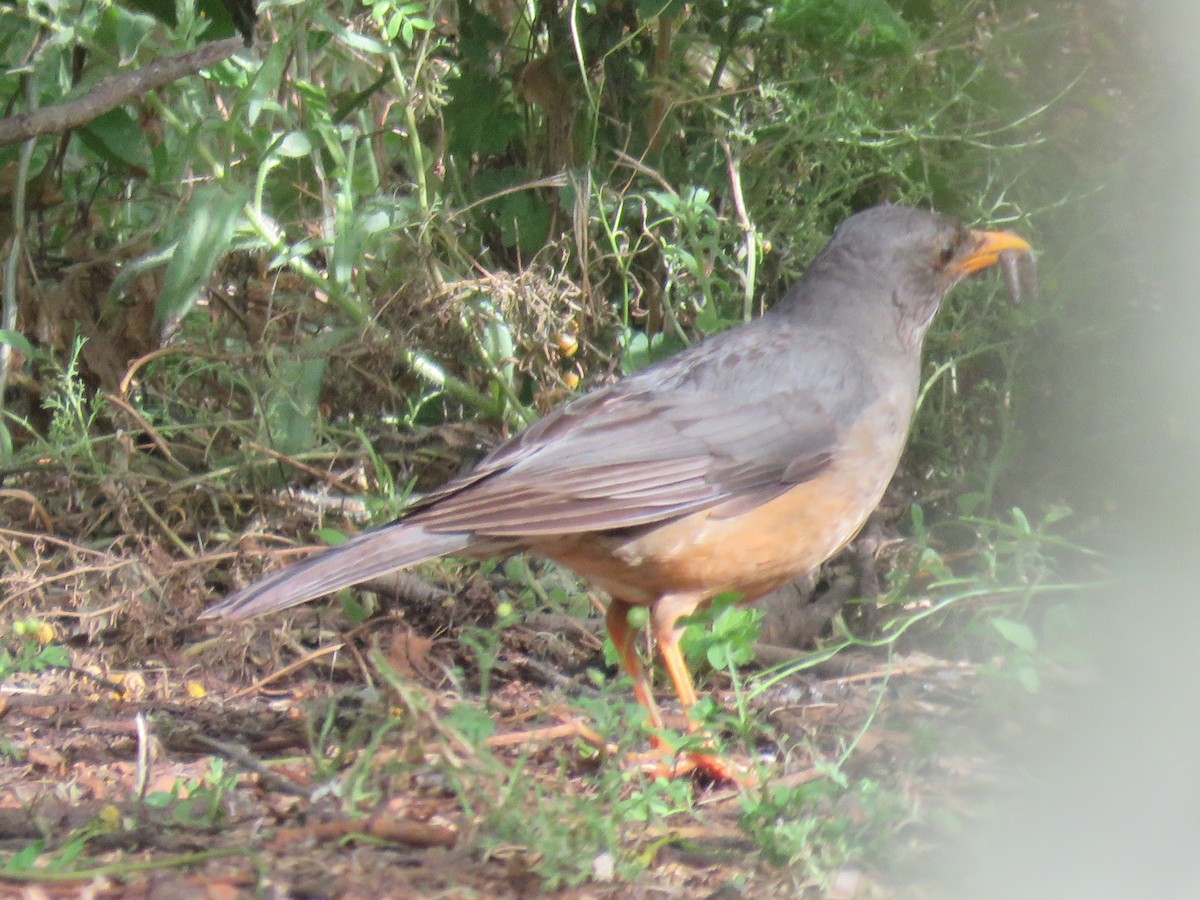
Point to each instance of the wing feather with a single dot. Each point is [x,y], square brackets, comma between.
[673,440]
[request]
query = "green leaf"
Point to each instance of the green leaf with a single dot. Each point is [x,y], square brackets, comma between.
[931,562]
[1056,514]
[220,21]
[161,10]
[709,320]
[516,569]
[16,340]
[356,611]
[478,36]
[524,222]
[480,117]
[1028,678]
[123,31]
[207,231]
[870,27]
[347,250]
[918,519]
[1016,633]
[266,82]
[473,723]
[158,799]
[331,536]
[967,503]
[115,138]
[25,858]
[641,351]
[718,656]
[55,656]
[294,145]
[292,406]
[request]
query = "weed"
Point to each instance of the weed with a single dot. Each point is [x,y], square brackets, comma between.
[344,740]
[35,650]
[485,644]
[725,643]
[198,802]
[820,826]
[568,839]
[63,855]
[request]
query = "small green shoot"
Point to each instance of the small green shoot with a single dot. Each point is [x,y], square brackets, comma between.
[34,651]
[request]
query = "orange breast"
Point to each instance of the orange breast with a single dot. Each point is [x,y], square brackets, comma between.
[706,554]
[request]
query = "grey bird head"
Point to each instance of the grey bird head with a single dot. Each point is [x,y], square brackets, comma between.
[888,268]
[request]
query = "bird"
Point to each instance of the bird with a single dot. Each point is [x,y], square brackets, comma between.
[737,465]
[244,16]
[225,16]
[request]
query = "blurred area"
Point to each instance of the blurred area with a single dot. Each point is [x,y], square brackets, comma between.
[1107,795]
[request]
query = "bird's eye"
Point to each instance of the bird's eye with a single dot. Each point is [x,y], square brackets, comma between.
[947,252]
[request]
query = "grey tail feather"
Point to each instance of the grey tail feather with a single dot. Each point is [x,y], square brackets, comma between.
[370,554]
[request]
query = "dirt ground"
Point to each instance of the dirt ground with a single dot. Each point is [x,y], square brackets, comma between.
[182,778]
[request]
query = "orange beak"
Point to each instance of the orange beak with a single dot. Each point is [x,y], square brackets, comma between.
[986,250]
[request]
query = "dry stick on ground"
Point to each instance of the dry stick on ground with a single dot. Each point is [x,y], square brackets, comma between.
[149,430]
[31,537]
[287,670]
[35,506]
[326,477]
[113,91]
[268,777]
[549,733]
[382,827]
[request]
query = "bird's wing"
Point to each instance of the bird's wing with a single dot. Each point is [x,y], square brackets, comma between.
[647,450]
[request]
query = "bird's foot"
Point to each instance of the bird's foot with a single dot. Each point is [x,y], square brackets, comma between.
[664,761]
[714,768]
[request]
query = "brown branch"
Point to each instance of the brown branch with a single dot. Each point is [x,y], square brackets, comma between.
[573,729]
[113,91]
[381,827]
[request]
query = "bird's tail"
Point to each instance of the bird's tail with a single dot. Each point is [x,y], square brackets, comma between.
[370,554]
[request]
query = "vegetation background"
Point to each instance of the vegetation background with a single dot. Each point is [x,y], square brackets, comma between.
[255,307]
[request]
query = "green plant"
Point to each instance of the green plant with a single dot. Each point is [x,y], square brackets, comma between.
[62,855]
[725,643]
[198,802]
[820,826]
[788,823]
[485,644]
[1013,571]
[35,650]
[74,414]
[403,20]
[343,738]
[568,839]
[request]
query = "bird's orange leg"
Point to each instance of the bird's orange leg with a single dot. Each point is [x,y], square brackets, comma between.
[681,678]
[623,638]
[667,634]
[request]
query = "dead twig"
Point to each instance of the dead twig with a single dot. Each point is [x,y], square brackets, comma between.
[380,827]
[567,627]
[548,734]
[287,670]
[149,430]
[327,477]
[35,507]
[270,779]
